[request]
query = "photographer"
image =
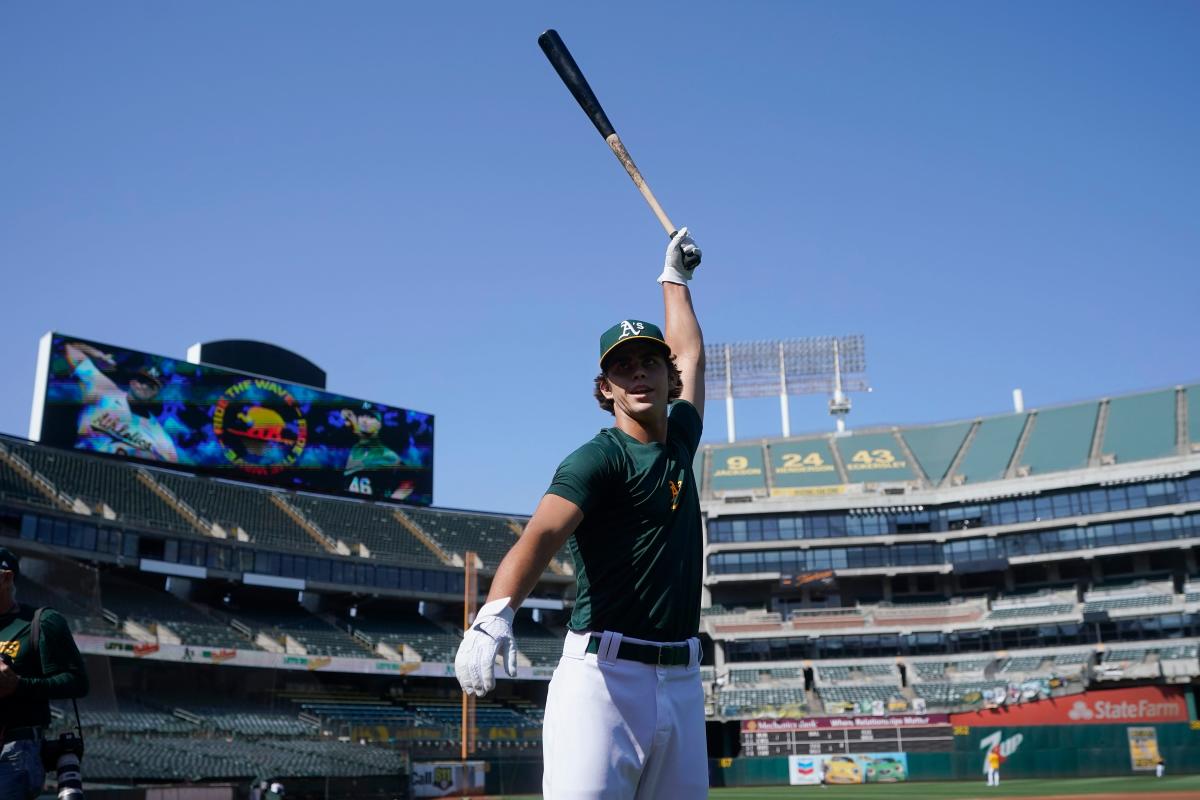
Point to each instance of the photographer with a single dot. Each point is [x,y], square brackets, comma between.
[30,676]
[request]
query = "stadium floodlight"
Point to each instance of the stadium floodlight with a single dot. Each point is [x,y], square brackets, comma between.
[812,365]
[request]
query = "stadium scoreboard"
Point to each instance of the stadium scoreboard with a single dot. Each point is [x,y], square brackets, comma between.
[201,418]
[931,733]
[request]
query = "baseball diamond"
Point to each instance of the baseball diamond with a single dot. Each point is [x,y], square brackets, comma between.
[890,492]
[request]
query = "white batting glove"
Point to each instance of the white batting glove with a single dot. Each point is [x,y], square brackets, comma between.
[491,634]
[683,256]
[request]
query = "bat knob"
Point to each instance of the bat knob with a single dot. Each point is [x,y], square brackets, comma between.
[691,257]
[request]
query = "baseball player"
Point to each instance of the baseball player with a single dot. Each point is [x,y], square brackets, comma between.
[625,711]
[109,423]
[993,767]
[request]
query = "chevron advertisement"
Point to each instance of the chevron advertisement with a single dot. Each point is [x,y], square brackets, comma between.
[857,768]
[1142,704]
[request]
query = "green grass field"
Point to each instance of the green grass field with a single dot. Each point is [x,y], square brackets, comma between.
[1182,787]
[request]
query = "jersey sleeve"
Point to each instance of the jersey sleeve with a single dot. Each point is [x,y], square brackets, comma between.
[684,425]
[583,476]
[63,673]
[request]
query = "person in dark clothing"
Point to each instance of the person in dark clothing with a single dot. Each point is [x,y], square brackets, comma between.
[30,677]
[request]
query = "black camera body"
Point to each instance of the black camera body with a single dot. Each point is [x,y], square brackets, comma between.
[53,750]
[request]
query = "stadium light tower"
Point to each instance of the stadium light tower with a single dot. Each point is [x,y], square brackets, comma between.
[812,365]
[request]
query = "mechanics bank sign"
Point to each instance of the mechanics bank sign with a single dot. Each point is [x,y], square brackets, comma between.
[1145,704]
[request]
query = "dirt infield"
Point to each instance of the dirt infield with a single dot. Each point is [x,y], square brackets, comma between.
[1108,796]
[1111,795]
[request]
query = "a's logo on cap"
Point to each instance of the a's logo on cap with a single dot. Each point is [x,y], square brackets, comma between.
[629,328]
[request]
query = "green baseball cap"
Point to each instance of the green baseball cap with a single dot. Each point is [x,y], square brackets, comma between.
[10,562]
[627,330]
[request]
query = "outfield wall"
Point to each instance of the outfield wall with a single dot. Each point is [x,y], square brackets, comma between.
[1100,733]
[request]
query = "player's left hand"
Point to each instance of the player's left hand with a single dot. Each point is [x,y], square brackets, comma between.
[491,634]
[8,679]
[683,256]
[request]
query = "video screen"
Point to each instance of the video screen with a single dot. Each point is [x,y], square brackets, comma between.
[104,399]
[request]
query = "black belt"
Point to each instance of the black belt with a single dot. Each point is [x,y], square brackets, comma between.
[661,655]
[21,734]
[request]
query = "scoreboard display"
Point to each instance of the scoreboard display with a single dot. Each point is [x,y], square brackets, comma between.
[200,418]
[911,733]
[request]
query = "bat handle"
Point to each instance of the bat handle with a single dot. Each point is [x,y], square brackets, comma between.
[614,142]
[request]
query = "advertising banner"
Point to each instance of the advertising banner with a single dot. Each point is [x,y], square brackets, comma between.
[200,654]
[805,770]
[109,400]
[1143,704]
[446,778]
[1143,749]
[819,723]
[858,768]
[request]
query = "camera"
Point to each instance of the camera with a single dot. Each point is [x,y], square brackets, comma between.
[62,755]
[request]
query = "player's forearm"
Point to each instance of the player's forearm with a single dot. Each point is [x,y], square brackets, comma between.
[683,333]
[520,570]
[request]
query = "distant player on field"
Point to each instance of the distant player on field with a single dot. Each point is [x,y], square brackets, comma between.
[993,767]
[625,712]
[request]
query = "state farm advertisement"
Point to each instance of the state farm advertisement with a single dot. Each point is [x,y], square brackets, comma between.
[1144,704]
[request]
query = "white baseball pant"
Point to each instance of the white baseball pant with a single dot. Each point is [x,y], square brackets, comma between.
[622,730]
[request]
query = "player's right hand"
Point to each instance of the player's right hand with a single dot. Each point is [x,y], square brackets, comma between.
[491,634]
[683,256]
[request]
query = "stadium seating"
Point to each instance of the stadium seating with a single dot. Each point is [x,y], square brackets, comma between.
[935,447]
[398,625]
[234,506]
[991,449]
[542,647]
[101,482]
[1140,426]
[860,697]
[776,702]
[16,486]
[190,758]
[1193,413]
[1130,599]
[953,695]
[82,618]
[1019,665]
[1061,439]
[1077,658]
[457,532]
[153,608]
[315,635]
[375,526]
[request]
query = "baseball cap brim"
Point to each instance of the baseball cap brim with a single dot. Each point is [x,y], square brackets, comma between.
[616,345]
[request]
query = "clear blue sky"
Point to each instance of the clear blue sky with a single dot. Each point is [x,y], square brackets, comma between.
[996,195]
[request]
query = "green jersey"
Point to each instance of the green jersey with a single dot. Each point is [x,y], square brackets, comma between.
[59,674]
[638,551]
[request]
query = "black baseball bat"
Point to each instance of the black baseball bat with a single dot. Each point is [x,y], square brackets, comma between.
[564,64]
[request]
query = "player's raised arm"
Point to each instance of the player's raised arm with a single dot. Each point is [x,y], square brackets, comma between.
[682,328]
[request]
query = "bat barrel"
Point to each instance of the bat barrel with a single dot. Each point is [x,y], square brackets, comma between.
[560,58]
